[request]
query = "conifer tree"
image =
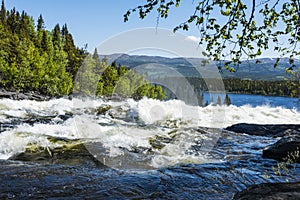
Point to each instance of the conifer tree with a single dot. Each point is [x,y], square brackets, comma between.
[24,26]
[227,100]
[3,13]
[45,43]
[96,55]
[17,23]
[64,30]
[40,23]
[56,36]
[75,55]
[11,20]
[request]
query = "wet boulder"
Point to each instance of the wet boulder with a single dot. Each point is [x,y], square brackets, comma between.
[159,142]
[101,110]
[266,191]
[272,130]
[287,148]
[68,152]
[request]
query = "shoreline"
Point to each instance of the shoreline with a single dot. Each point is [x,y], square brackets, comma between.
[30,95]
[245,93]
[34,95]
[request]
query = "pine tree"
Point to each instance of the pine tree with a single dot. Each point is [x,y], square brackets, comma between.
[227,100]
[75,56]
[45,43]
[56,36]
[3,13]
[11,20]
[24,26]
[40,23]
[17,23]
[96,55]
[64,30]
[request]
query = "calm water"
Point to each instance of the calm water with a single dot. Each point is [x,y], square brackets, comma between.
[257,100]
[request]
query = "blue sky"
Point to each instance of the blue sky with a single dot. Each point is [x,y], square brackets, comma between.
[94,21]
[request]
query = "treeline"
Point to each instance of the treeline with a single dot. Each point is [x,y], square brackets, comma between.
[190,89]
[97,77]
[290,88]
[35,59]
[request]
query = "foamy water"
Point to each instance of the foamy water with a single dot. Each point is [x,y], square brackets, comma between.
[129,125]
[152,111]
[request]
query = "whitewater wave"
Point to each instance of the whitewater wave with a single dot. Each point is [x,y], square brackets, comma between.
[214,116]
[162,132]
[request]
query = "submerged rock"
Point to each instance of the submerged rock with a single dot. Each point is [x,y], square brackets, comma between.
[32,119]
[271,191]
[101,110]
[159,142]
[286,148]
[273,130]
[70,152]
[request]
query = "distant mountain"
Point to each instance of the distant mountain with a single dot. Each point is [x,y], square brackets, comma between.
[250,69]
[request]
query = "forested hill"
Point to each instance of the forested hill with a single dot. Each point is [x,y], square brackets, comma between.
[252,77]
[48,62]
[35,59]
[251,69]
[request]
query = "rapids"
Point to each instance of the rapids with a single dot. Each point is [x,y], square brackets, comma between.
[165,133]
[147,149]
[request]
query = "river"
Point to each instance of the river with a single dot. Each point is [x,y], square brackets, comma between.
[145,149]
[257,100]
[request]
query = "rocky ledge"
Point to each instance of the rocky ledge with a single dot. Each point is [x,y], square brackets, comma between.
[67,152]
[267,191]
[286,149]
[23,95]
[271,130]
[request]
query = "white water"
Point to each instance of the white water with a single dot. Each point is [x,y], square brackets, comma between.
[129,124]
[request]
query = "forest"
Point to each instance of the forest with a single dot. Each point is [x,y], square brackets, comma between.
[289,88]
[35,59]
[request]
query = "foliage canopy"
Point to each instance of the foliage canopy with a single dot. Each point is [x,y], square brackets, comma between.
[234,29]
[35,59]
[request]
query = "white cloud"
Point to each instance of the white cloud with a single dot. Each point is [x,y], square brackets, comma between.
[193,38]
